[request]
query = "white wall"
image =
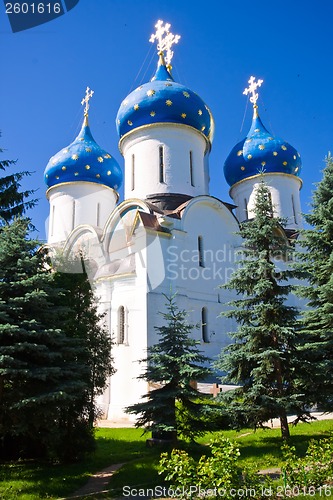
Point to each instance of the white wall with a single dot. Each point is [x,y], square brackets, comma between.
[142,147]
[285,194]
[72,204]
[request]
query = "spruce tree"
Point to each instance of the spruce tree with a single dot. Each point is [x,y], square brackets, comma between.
[315,265]
[175,407]
[83,322]
[13,202]
[41,381]
[262,359]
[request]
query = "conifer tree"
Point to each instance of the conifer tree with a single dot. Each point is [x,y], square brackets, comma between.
[83,322]
[315,265]
[42,384]
[13,202]
[175,362]
[262,359]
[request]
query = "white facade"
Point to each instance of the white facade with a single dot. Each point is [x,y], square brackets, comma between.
[284,189]
[165,158]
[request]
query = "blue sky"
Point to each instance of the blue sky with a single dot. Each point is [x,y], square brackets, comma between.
[104,44]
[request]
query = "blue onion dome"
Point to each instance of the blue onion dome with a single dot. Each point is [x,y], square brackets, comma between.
[83,161]
[162,100]
[260,152]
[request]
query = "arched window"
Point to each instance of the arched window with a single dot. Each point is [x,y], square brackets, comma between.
[133,173]
[201,252]
[121,325]
[204,325]
[293,207]
[191,169]
[161,164]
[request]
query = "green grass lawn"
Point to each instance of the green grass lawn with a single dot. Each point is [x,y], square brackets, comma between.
[27,480]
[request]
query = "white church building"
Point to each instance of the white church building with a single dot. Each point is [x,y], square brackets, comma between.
[168,235]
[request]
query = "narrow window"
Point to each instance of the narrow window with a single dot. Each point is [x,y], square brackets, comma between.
[191,169]
[133,173]
[52,219]
[204,326]
[73,215]
[246,210]
[98,214]
[161,151]
[200,252]
[121,325]
[293,205]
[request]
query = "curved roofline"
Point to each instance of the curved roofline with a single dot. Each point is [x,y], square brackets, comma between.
[47,194]
[165,124]
[265,174]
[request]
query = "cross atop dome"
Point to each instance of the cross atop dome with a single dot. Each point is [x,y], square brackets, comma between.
[165,40]
[86,99]
[251,89]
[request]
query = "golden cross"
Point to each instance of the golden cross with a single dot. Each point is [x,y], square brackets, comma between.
[252,89]
[165,39]
[86,99]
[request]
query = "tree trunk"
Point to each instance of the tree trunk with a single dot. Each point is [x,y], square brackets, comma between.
[284,427]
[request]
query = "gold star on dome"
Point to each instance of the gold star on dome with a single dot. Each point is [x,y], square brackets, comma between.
[81,139]
[242,168]
[87,167]
[63,168]
[88,150]
[125,102]
[203,128]
[183,115]
[168,102]
[98,176]
[75,157]
[152,113]
[150,92]
[261,146]
[136,107]
[284,148]
[285,163]
[248,140]
[249,157]
[200,112]
[76,173]
[186,94]
[240,152]
[295,157]
[263,163]
[139,88]
[275,153]
[107,156]
[257,130]
[168,84]
[129,123]
[108,172]
[100,159]
[57,177]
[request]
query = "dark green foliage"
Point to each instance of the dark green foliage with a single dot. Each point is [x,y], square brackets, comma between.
[83,322]
[176,407]
[315,265]
[42,383]
[263,356]
[13,202]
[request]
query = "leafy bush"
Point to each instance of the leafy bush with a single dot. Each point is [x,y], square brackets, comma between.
[215,475]
[315,469]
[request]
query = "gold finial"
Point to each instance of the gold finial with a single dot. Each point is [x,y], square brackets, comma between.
[86,99]
[165,40]
[252,89]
